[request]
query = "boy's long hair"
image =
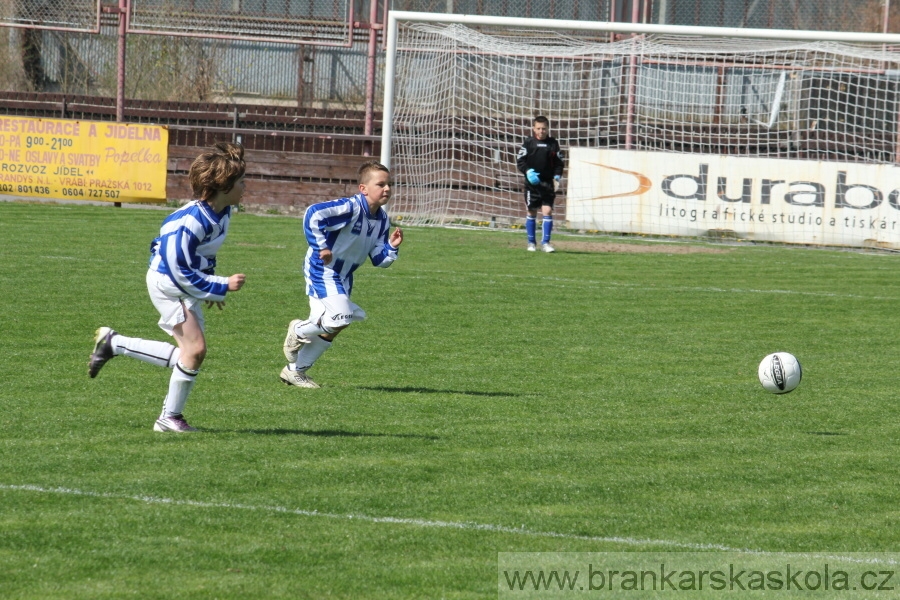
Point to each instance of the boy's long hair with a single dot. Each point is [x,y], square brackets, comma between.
[217,170]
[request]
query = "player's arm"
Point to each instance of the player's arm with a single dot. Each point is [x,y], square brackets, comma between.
[522,158]
[522,163]
[326,256]
[560,162]
[396,238]
[235,282]
[384,254]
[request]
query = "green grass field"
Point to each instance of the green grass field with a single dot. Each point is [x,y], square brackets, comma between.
[494,401]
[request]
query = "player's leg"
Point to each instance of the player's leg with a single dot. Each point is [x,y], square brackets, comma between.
[531,206]
[294,340]
[161,354]
[190,337]
[181,317]
[327,317]
[305,331]
[192,342]
[295,373]
[302,332]
[166,297]
[109,343]
[547,222]
[321,322]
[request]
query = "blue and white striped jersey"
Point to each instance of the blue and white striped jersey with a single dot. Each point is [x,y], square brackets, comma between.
[186,249]
[347,228]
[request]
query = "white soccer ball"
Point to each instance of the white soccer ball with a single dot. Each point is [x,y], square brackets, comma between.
[780,372]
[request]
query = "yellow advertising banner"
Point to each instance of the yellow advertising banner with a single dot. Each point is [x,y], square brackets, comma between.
[83,160]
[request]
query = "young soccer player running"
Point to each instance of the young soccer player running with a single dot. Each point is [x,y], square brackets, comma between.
[181,276]
[341,234]
[540,160]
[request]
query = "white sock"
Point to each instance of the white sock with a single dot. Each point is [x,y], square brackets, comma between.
[180,385]
[310,353]
[161,354]
[309,330]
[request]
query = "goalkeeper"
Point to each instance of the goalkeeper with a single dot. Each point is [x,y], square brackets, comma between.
[341,234]
[541,162]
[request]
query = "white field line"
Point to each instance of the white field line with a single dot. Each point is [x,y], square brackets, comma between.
[427,523]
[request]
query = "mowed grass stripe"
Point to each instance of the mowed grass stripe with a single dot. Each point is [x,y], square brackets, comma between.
[624,286]
[426,523]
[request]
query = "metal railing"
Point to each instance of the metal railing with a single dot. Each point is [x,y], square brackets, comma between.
[257,127]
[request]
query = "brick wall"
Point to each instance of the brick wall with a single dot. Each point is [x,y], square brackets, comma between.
[283,181]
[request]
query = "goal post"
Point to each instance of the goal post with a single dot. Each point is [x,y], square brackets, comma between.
[775,135]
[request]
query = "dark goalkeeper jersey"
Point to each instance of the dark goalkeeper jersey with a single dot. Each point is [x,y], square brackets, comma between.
[544,156]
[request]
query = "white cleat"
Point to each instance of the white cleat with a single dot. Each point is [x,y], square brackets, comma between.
[297,378]
[175,423]
[532,247]
[293,342]
[547,248]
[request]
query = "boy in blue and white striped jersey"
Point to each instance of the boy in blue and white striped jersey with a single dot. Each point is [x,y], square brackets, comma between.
[341,234]
[181,277]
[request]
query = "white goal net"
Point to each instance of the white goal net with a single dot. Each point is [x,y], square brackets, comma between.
[654,126]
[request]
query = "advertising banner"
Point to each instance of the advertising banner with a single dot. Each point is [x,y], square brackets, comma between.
[764,199]
[83,160]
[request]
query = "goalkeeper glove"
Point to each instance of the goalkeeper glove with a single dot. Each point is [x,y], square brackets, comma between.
[532,176]
[556,183]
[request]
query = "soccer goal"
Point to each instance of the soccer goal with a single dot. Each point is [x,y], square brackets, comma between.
[787,136]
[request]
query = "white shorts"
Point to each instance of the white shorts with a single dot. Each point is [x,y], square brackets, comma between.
[171,302]
[334,311]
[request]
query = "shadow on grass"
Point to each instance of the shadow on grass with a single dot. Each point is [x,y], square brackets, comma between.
[824,433]
[421,390]
[322,433]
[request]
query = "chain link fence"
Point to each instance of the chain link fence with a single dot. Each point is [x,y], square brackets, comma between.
[73,15]
[316,22]
[577,10]
[46,45]
[818,15]
[199,70]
